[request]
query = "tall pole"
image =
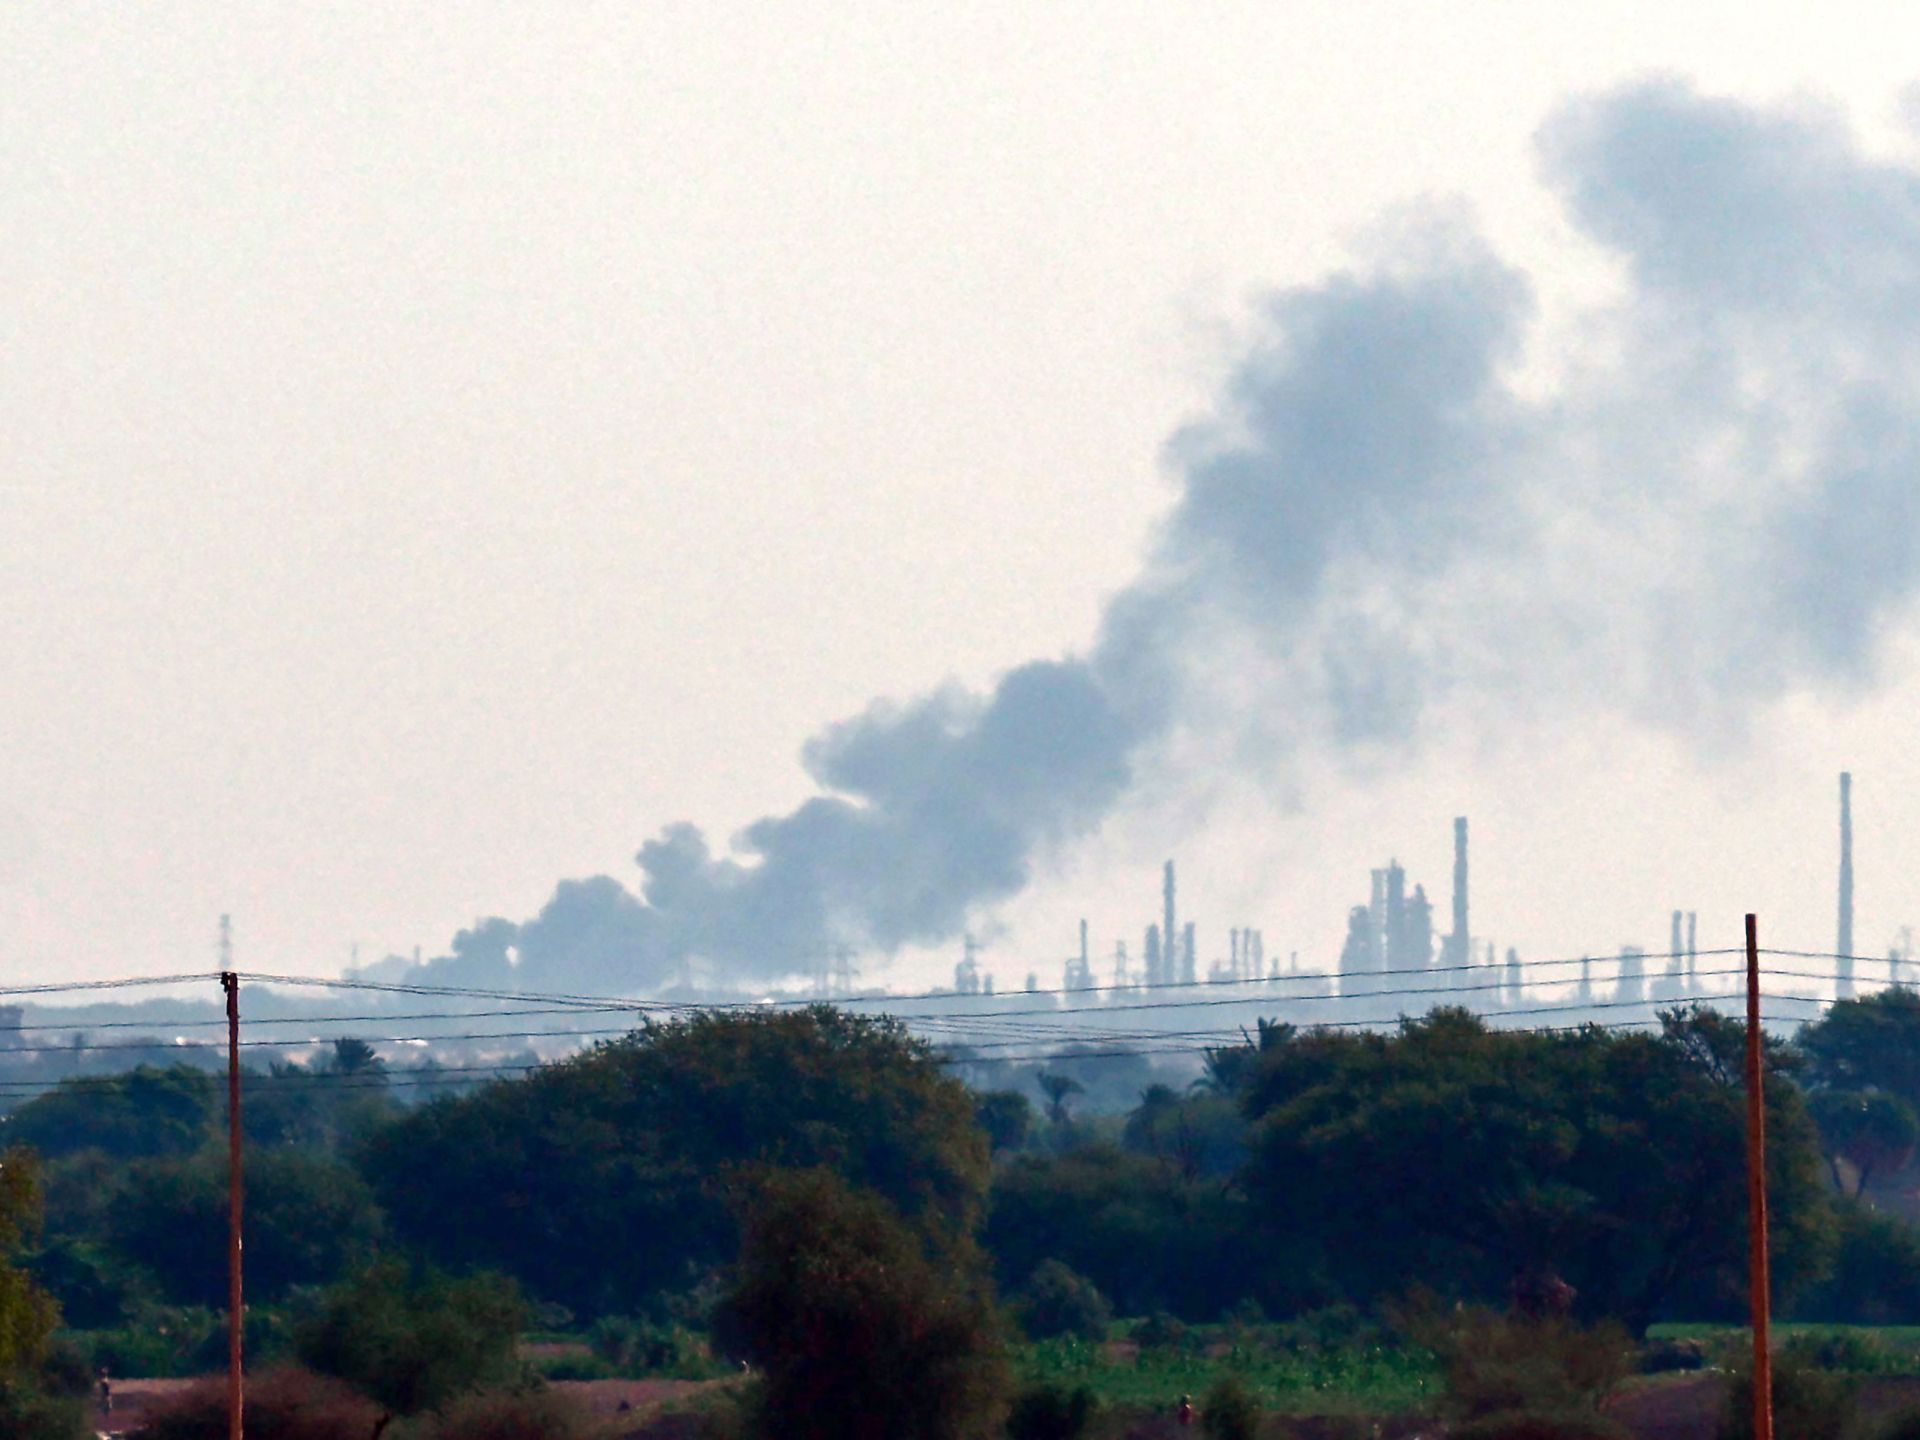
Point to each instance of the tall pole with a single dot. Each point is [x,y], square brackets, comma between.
[236,1198]
[1843,938]
[1760,1278]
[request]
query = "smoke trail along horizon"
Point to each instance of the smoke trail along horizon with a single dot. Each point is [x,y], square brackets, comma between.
[1376,516]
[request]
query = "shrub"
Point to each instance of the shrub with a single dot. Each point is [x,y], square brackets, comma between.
[1850,1352]
[1808,1404]
[859,1332]
[1332,1327]
[628,1346]
[1904,1426]
[28,1414]
[158,1341]
[618,1340]
[1229,1411]
[1058,1301]
[1875,1279]
[1050,1412]
[414,1341]
[282,1404]
[1503,1364]
[1660,1356]
[1160,1331]
[511,1415]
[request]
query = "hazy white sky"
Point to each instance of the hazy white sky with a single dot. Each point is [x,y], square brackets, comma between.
[441,445]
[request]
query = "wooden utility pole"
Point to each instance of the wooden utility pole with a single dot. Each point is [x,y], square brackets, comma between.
[236,1203]
[1760,1279]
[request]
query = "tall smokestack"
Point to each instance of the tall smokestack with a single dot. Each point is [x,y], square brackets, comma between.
[1457,947]
[1693,948]
[1843,947]
[1676,946]
[1169,935]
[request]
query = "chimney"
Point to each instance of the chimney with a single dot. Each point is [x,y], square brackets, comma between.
[1843,980]
[1168,933]
[1457,949]
[1186,955]
[1676,946]
[1693,948]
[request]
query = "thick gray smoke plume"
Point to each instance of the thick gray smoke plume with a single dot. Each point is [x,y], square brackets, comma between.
[1718,498]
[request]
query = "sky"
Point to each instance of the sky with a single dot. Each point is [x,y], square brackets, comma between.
[442,450]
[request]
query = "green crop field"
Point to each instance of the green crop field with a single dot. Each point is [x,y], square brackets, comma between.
[1369,1379]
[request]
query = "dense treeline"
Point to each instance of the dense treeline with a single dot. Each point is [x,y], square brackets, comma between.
[1305,1169]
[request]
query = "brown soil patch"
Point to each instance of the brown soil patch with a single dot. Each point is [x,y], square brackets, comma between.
[1681,1408]
[133,1401]
[606,1397]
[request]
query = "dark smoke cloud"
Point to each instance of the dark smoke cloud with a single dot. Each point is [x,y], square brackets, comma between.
[1719,499]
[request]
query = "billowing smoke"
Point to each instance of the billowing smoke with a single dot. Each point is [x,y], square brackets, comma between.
[1718,498]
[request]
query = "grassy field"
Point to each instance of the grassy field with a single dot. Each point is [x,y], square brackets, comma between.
[1357,1379]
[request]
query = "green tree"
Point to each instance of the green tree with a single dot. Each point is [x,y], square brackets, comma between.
[603,1180]
[309,1219]
[414,1340]
[1007,1118]
[27,1313]
[1058,1089]
[1147,1236]
[1199,1134]
[1614,1160]
[1058,1301]
[1870,1043]
[355,1057]
[146,1111]
[859,1331]
[1872,1131]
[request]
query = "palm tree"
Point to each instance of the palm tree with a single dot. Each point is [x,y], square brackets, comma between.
[356,1057]
[1057,1089]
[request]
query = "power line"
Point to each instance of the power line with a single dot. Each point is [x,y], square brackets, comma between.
[883,997]
[1002,1020]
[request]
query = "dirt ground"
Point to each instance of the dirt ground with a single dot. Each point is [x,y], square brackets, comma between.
[132,1399]
[604,1399]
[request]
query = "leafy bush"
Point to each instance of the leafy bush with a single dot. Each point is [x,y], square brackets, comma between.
[1850,1352]
[1904,1426]
[414,1341]
[1875,1278]
[511,1415]
[1658,1357]
[627,1346]
[1808,1404]
[618,1339]
[1160,1331]
[1502,1364]
[30,1414]
[158,1341]
[1059,1301]
[1050,1412]
[1333,1327]
[1229,1411]
[282,1404]
[859,1332]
